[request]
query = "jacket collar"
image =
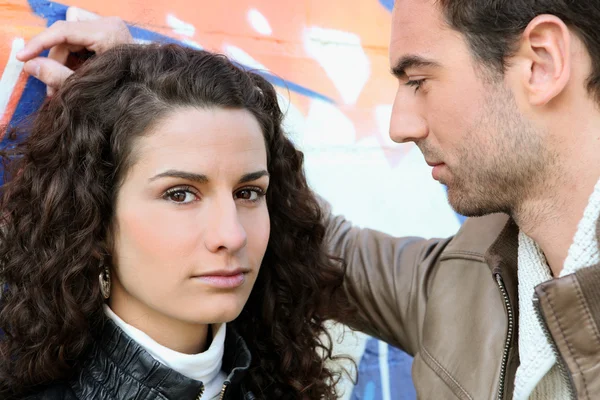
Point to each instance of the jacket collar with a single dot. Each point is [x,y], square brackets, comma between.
[118,365]
[569,307]
[502,258]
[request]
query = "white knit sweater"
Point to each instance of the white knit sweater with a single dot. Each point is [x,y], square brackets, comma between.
[538,377]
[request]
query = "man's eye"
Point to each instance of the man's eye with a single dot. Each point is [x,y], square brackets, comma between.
[417,83]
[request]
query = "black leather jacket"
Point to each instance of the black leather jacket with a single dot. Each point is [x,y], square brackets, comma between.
[117,368]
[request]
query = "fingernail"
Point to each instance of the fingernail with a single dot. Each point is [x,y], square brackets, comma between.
[32,68]
[20,53]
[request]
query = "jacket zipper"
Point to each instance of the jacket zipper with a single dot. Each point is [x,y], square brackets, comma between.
[559,360]
[222,396]
[201,393]
[509,335]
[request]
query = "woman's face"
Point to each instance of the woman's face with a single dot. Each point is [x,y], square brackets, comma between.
[191,221]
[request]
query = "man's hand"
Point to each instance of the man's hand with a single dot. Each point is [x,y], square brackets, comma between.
[81,31]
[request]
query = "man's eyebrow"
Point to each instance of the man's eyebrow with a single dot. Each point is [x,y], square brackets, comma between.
[189,176]
[253,176]
[411,61]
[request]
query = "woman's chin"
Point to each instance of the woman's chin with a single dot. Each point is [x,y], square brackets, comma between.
[226,310]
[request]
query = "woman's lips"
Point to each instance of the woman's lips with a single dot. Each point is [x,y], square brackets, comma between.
[223,279]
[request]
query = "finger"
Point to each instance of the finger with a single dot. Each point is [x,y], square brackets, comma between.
[79,14]
[61,51]
[55,34]
[50,72]
[66,55]
[60,32]
[95,35]
[59,54]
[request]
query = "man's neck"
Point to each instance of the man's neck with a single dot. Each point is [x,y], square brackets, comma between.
[551,219]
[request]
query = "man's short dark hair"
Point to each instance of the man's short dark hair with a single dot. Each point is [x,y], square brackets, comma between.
[492,27]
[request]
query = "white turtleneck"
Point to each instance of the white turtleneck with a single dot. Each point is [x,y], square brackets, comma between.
[204,367]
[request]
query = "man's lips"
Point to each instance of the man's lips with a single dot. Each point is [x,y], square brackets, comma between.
[433,163]
[437,167]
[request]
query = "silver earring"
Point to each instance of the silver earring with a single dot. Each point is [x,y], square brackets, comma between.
[105,282]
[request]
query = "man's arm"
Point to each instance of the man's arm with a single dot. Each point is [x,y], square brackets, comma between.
[386,280]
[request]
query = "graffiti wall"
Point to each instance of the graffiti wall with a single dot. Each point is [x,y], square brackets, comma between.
[328,60]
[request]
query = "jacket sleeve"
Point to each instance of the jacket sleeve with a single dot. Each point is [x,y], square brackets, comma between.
[386,280]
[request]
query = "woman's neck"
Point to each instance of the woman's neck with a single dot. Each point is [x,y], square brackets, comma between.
[177,335]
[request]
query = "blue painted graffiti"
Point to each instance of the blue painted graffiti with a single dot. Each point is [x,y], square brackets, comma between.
[388,4]
[35,92]
[370,384]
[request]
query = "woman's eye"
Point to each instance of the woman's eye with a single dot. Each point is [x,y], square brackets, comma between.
[180,196]
[249,194]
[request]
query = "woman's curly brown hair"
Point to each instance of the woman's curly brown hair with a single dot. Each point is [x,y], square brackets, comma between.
[57,204]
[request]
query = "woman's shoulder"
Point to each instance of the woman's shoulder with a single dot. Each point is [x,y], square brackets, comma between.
[57,391]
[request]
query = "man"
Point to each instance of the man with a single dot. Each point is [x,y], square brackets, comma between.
[502,97]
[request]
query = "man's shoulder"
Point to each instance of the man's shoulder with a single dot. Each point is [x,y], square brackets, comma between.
[477,235]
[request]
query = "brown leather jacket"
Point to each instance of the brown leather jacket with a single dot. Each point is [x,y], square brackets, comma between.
[452,304]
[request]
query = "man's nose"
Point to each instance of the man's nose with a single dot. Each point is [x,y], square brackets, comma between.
[407,123]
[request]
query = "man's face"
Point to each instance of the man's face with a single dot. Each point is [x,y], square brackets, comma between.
[462,116]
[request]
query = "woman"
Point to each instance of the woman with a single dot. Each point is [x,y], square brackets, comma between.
[160,241]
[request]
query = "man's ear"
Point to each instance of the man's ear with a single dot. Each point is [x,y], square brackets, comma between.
[544,59]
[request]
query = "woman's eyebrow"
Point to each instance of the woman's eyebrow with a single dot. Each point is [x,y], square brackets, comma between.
[253,176]
[190,176]
[200,178]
